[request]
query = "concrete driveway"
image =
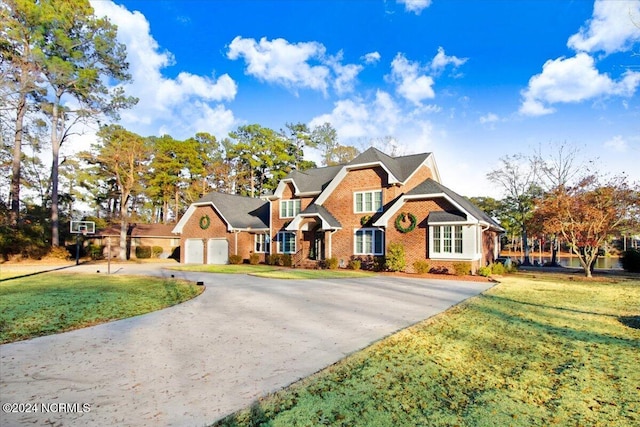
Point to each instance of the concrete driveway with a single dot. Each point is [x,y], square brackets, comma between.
[194,363]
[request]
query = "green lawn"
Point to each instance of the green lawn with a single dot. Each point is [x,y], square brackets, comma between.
[45,304]
[528,352]
[274,272]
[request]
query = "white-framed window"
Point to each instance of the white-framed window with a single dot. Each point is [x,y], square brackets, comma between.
[446,239]
[369,241]
[289,208]
[286,242]
[261,243]
[367,201]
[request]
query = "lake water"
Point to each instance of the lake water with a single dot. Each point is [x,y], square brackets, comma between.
[573,262]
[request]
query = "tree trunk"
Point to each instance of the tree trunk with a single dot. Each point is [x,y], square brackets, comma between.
[525,247]
[554,252]
[16,162]
[123,228]
[55,151]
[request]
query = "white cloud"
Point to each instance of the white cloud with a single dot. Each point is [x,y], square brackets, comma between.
[611,29]
[345,74]
[371,57]
[570,80]
[617,143]
[441,61]
[166,105]
[281,62]
[489,118]
[360,121]
[415,6]
[411,84]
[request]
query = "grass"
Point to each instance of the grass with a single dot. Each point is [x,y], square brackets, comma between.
[274,272]
[45,304]
[528,352]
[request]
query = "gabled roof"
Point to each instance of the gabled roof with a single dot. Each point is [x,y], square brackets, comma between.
[308,182]
[399,169]
[239,212]
[465,210]
[313,210]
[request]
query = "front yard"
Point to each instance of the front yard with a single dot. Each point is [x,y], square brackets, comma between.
[44,304]
[532,351]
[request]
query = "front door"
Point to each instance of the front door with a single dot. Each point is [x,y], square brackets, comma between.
[316,251]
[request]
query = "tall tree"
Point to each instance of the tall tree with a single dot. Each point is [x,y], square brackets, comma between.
[78,56]
[325,138]
[20,32]
[121,156]
[300,137]
[517,177]
[588,213]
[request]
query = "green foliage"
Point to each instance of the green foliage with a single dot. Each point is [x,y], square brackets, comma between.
[332,263]
[355,264]
[96,252]
[254,259]
[143,252]
[630,260]
[235,259]
[462,268]
[50,303]
[498,269]
[156,251]
[484,271]
[395,259]
[421,266]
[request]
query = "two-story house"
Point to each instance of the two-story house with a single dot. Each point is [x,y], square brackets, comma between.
[347,211]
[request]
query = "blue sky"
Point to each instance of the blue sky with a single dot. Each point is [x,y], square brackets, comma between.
[469,81]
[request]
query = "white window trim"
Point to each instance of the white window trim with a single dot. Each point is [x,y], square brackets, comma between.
[265,242]
[373,242]
[469,245]
[364,210]
[297,207]
[280,240]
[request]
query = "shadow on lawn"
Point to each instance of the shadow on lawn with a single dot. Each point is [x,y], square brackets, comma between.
[630,321]
[504,304]
[256,417]
[571,310]
[36,273]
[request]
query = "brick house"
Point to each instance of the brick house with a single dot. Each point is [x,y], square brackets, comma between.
[348,211]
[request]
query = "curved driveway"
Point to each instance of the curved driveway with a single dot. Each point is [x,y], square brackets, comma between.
[191,364]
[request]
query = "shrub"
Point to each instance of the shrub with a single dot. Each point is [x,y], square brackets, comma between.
[498,269]
[287,260]
[235,259]
[421,266]
[143,252]
[254,259]
[96,251]
[275,259]
[332,263]
[156,251]
[462,268]
[485,271]
[630,260]
[355,264]
[59,252]
[395,257]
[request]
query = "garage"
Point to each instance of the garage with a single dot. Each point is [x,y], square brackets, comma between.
[194,251]
[217,251]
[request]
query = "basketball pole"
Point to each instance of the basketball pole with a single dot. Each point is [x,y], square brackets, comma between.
[77,248]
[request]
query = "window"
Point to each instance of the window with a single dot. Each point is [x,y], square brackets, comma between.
[368,201]
[446,239]
[369,241]
[286,242]
[261,243]
[289,208]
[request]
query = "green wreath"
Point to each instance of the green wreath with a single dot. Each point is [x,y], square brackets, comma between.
[205,222]
[401,218]
[365,219]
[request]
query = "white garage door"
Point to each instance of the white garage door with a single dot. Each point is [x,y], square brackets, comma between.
[194,251]
[217,251]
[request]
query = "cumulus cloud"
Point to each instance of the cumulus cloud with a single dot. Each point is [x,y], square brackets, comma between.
[415,6]
[166,105]
[412,83]
[617,143]
[371,58]
[294,65]
[570,80]
[611,29]
[441,61]
[489,119]
[364,120]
